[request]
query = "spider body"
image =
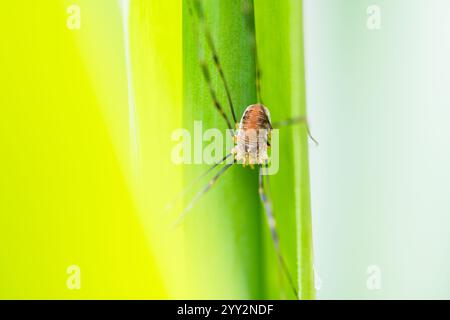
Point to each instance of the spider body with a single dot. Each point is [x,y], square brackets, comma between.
[253,136]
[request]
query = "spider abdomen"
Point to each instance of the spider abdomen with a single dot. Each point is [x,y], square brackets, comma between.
[252,137]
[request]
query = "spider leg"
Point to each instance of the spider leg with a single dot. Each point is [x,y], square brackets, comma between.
[189,187]
[215,56]
[294,121]
[273,231]
[201,193]
[258,77]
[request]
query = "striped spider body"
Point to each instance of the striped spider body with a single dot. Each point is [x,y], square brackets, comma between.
[252,138]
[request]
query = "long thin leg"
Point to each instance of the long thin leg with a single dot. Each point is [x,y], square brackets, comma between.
[294,121]
[258,77]
[206,74]
[215,56]
[189,187]
[250,18]
[214,98]
[201,193]
[273,231]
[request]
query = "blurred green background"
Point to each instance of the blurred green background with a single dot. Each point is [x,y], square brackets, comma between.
[85,126]
[379,104]
[73,189]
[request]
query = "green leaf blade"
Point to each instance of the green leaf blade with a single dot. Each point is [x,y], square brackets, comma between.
[223,231]
[279,31]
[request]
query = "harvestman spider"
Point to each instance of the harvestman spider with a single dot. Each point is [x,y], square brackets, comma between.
[251,138]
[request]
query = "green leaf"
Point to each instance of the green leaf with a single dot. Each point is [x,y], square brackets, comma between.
[223,231]
[279,31]
[228,247]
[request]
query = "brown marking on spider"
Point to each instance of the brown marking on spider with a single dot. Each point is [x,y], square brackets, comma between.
[252,138]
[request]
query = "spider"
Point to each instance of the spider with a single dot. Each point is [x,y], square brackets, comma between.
[251,136]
